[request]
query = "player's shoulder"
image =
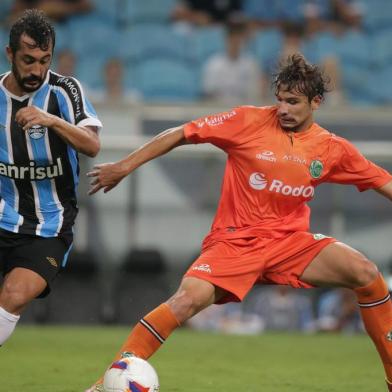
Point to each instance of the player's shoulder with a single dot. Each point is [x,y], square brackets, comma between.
[258,112]
[68,83]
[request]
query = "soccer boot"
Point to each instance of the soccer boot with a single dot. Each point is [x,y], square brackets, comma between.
[96,388]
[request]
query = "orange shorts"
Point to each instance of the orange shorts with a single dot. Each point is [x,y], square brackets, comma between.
[236,265]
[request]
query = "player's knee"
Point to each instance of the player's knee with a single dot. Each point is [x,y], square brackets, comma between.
[13,297]
[184,305]
[366,272]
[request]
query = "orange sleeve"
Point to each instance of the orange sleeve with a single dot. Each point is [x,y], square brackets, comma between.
[349,166]
[225,129]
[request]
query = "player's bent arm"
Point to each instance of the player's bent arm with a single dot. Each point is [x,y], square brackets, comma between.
[82,139]
[108,175]
[386,190]
[157,146]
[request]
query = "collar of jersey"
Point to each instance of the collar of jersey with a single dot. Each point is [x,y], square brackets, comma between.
[25,96]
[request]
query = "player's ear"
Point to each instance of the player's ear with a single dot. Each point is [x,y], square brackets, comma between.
[316,102]
[9,53]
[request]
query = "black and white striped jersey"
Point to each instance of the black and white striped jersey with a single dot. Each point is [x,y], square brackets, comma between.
[39,172]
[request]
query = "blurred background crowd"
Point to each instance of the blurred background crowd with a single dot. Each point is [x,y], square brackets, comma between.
[225,50]
[213,53]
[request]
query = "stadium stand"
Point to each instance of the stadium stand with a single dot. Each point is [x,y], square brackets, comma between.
[164,79]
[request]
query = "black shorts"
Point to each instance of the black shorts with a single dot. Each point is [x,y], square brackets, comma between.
[45,256]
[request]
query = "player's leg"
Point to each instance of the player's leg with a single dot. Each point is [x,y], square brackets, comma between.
[339,265]
[20,287]
[29,268]
[152,330]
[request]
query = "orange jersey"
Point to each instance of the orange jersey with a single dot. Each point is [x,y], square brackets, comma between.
[271,174]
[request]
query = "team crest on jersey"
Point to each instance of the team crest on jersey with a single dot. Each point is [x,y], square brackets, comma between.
[37,131]
[316,168]
[319,236]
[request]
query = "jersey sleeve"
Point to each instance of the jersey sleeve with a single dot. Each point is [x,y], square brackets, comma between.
[74,105]
[225,129]
[351,167]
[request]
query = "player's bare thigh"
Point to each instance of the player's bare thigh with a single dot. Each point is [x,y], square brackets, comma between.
[340,265]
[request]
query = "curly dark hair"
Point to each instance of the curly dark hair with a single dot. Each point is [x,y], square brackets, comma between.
[296,74]
[37,26]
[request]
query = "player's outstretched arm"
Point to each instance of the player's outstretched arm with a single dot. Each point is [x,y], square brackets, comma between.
[108,175]
[386,190]
[83,139]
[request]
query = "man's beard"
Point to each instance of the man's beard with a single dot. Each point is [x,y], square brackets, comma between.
[22,81]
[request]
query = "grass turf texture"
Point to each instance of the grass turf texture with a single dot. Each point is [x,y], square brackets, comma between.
[68,359]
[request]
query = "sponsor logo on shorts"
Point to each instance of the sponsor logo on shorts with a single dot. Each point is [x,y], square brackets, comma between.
[266,156]
[389,336]
[202,268]
[52,261]
[319,236]
[259,182]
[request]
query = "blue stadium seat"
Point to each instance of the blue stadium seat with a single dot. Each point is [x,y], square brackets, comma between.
[265,10]
[266,46]
[382,48]
[355,84]
[136,11]
[111,10]
[291,10]
[322,45]
[354,48]
[269,11]
[379,85]
[167,80]
[93,36]
[5,7]
[377,15]
[89,70]
[148,40]
[62,36]
[206,42]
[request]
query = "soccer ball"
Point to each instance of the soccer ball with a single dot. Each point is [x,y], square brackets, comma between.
[131,374]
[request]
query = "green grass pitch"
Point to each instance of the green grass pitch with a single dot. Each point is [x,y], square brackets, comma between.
[68,359]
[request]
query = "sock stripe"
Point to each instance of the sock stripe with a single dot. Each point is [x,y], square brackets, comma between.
[375,303]
[152,330]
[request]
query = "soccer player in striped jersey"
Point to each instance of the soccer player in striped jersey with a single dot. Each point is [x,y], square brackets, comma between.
[277,156]
[45,121]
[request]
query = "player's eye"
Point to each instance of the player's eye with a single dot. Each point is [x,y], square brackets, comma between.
[28,60]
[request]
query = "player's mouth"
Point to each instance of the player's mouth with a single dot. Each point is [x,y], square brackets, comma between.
[287,120]
[32,83]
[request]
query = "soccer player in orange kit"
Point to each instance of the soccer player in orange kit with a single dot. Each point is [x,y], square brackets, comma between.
[276,157]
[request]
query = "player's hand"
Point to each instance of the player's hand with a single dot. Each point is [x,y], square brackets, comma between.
[106,176]
[29,116]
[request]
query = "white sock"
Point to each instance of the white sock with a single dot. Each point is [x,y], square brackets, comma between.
[7,324]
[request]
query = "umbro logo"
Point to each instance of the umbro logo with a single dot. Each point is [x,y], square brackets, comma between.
[52,261]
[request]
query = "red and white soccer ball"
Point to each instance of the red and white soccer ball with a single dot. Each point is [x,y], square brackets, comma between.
[131,374]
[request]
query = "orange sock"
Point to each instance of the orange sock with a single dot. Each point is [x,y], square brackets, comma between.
[149,334]
[376,310]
